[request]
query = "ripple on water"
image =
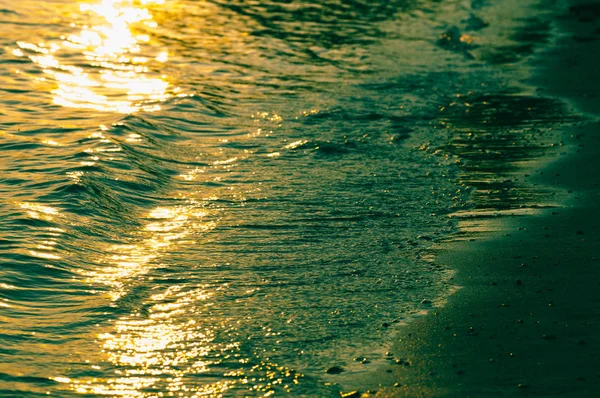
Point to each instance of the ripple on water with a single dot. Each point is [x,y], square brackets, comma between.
[230,197]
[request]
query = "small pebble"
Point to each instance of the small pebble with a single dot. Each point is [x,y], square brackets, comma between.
[334,370]
[472,332]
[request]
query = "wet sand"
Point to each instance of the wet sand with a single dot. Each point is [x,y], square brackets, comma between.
[526,321]
[527,318]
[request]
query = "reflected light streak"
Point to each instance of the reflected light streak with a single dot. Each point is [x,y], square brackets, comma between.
[44,246]
[169,337]
[116,76]
[38,211]
[164,230]
[157,352]
[152,350]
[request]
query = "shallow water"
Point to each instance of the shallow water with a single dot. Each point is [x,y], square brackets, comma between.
[230,197]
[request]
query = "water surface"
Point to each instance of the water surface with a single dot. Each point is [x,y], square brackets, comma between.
[229,197]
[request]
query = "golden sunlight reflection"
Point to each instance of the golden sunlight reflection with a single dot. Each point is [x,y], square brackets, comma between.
[163,339]
[171,347]
[170,342]
[158,350]
[38,211]
[44,246]
[105,66]
[165,229]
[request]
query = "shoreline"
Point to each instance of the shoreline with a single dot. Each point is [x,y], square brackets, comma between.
[526,319]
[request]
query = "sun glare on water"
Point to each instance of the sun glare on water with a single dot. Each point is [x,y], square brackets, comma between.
[107,65]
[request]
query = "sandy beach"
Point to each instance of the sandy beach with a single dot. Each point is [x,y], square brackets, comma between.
[526,320]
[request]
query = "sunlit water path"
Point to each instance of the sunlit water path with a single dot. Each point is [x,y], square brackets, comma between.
[204,198]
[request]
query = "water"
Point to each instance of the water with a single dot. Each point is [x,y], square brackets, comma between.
[229,197]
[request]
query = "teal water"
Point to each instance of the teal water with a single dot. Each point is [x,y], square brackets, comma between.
[227,198]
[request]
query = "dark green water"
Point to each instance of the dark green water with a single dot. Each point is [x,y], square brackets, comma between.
[220,197]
